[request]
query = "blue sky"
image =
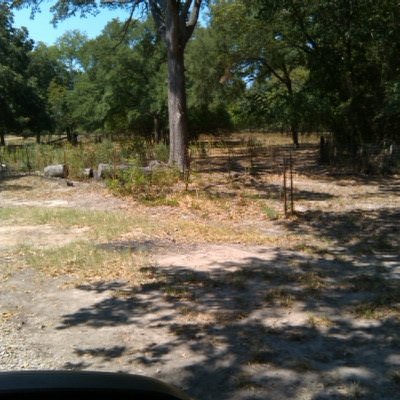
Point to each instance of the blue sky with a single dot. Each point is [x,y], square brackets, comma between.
[41,30]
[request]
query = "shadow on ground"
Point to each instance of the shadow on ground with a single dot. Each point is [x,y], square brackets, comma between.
[291,326]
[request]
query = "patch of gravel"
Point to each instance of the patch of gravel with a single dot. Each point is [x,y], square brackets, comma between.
[18,350]
[17,353]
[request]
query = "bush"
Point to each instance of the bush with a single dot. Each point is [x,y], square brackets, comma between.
[202,119]
[147,186]
[161,152]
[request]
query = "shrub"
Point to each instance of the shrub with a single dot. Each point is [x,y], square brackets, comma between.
[148,186]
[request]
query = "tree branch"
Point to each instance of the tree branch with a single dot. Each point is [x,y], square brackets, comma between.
[157,8]
[187,26]
[303,28]
[194,16]
[266,64]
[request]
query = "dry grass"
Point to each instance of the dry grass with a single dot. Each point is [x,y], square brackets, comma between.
[84,261]
[319,321]
[246,382]
[354,390]
[279,296]
[233,196]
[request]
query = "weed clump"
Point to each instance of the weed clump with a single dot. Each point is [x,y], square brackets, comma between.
[150,186]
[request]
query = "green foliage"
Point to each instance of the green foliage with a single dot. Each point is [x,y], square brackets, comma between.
[271,72]
[151,187]
[208,108]
[271,212]
[203,119]
[36,157]
[161,152]
[20,99]
[293,66]
[121,84]
[350,50]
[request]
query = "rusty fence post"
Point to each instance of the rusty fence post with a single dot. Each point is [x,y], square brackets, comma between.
[291,185]
[66,166]
[284,187]
[115,162]
[288,164]
[28,161]
[187,167]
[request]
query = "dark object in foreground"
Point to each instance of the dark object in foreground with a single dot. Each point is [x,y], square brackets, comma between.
[84,385]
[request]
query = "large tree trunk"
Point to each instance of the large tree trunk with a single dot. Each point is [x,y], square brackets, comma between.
[72,137]
[177,109]
[56,171]
[295,134]
[176,20]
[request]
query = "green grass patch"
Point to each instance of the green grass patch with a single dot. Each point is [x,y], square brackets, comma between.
[279,296]
[312,281]
[178,292]
[318,321]
[365,282]
[354,390]
[384,303]
[152,199]
[395,376]
[105,225]
[86,261]
[301,366]
[271,213]
[245,381]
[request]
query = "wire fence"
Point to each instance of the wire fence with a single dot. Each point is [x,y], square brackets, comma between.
[383,158]
[370,159]
[252,156]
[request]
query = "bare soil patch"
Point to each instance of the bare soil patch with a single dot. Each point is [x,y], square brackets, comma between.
[310,313]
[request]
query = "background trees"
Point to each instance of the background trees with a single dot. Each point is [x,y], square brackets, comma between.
[20,99]
[176,21]
[122,86]
[208,98]
[348,48]
[296,66]
[273,71]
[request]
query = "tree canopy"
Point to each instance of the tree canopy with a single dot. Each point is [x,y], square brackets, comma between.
[16,89]
[295,66]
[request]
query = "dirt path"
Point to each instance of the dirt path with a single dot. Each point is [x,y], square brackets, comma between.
[226,321]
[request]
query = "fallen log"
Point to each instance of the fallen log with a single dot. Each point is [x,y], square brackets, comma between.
[107,170]
[86,173]
[56,140]
[56,171]
[153,165]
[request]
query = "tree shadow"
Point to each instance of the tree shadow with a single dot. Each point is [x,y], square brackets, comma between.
[104,353]
[131,245]
[4,177]
[112,311]
[262,327]
[357,231]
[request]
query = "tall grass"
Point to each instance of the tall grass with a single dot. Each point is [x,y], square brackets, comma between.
[31,157]
[35,157]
